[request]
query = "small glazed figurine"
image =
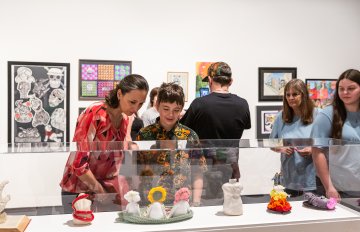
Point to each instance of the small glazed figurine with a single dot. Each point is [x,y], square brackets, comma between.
[156,210]
[320,202]
[82,214]
[278,201]
[133,198]
[181,203]
[3,201]
[232,199]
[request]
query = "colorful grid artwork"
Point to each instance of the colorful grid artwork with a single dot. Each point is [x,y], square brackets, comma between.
[89,72]
[104,87]
[98,77]
[105,72]
[121,71]
[89,88]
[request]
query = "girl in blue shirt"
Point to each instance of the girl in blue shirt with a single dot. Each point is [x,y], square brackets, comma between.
[341,120]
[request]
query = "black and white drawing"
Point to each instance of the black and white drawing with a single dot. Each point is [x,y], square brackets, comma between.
[39,102]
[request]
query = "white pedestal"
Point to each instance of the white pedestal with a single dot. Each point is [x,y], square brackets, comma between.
[254,219]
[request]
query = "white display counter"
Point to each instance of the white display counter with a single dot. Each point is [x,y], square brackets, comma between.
[255,218]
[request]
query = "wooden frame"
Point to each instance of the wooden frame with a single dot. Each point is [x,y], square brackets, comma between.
[180,78]
[272,82]
[321,91]
[38,106]
[98,77]
[265,118]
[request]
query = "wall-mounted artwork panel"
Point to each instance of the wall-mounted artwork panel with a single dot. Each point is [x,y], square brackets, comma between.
[38,105]
[98,77]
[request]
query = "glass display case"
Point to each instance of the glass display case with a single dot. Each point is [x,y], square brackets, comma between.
[42,176]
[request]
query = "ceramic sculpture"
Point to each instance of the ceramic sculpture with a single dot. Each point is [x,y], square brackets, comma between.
[278,202]
[232,199]
[133,198]
[82,214]
[156,210]
[181,203]
[319,202]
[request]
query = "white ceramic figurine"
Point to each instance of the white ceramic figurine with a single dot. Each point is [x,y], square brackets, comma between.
[133,198]
[156,211]
[232,199]
[82,214]
[181,203]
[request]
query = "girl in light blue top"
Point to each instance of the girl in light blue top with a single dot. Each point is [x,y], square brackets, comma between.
[293,122]
[341,120]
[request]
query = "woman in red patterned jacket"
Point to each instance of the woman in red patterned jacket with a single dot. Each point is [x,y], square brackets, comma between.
[97,173]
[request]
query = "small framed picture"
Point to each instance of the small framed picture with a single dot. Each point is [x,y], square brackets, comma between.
[204,91]
[180,78]
[321,91]
[272,82]
[265,118]
[98,77]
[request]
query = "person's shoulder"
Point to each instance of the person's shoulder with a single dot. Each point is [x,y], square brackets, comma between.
[238,98]
[147,133]
[186,130]
[96,106]
[96,110]
[328,111]
[147,128]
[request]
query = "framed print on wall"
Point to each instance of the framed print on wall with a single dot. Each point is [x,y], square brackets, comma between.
[202,88]
[39,102]
[265,118]
[180,78]
[272,82]
[321,91]
[98,77]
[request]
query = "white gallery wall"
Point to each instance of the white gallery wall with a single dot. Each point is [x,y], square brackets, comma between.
[319,37]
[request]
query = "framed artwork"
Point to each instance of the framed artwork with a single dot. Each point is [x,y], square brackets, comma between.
[265,118]
[180,78]
[39,102]
[272,82]
[321,91]
[201,72]
[81,109]
[98,77]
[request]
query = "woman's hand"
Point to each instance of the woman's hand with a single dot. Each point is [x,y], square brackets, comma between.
[332,192]
[305,152]
[284,150]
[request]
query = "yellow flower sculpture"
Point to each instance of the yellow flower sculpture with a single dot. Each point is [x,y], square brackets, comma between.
[156,191]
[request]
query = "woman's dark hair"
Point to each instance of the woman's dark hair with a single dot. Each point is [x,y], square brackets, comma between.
[153,94]
[306,105]
[171,92]
[339,114]
[129,83]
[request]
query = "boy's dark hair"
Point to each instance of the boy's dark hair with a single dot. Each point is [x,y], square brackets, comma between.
[171,92]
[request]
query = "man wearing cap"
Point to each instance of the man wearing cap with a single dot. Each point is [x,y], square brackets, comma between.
[220,115]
